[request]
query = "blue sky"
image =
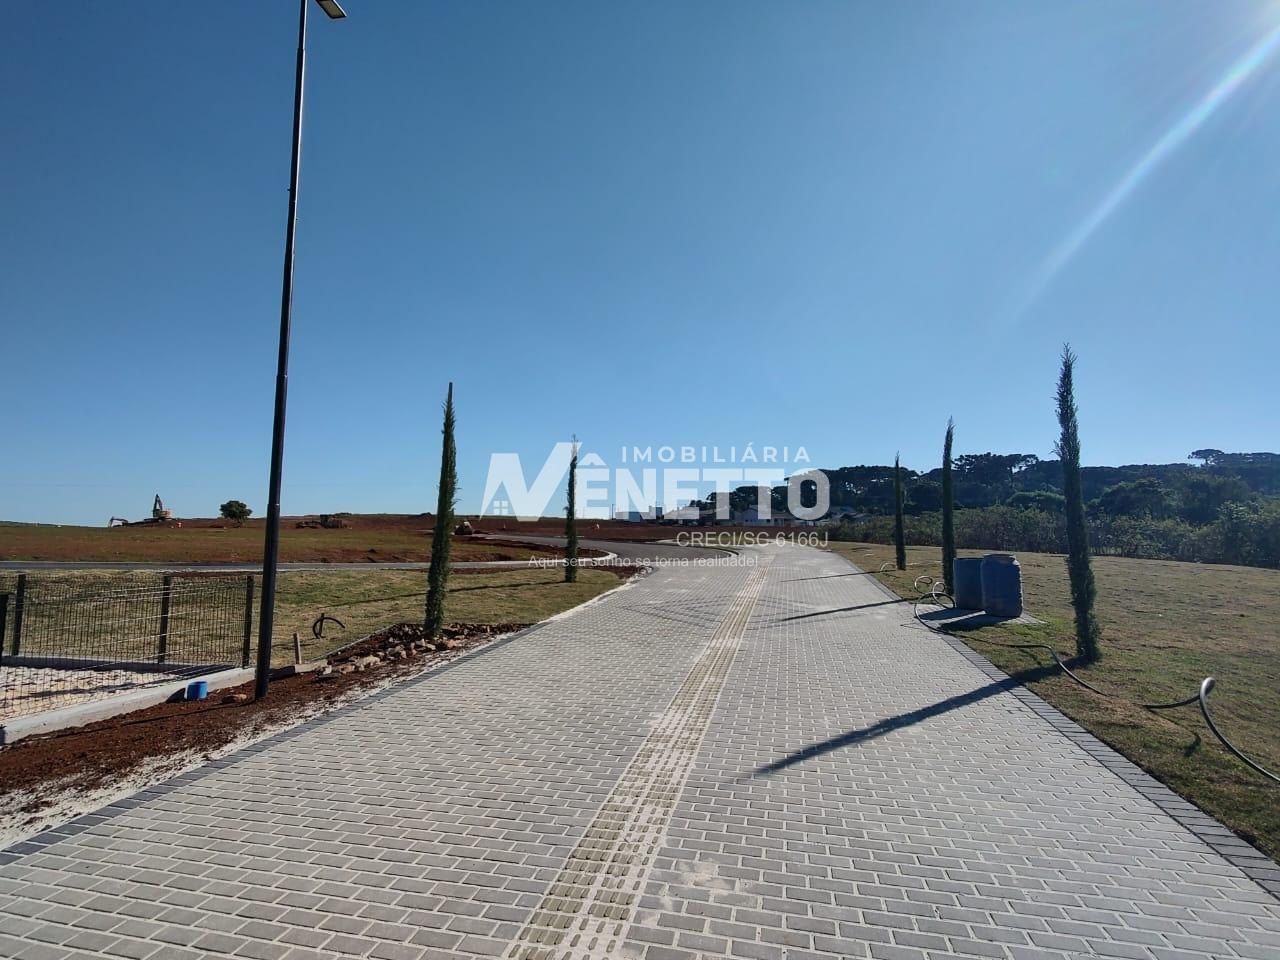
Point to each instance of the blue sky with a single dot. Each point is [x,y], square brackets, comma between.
[811,223]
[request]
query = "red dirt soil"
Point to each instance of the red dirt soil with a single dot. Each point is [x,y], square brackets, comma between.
[369,538]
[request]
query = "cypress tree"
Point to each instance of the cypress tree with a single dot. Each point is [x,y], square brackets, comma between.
[571,521]
[948,509]
[1079,567]
[438,575]
[899,532]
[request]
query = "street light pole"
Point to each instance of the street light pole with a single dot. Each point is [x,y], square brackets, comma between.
[271,549]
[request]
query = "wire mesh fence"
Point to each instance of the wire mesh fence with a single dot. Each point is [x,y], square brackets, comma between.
[65,643]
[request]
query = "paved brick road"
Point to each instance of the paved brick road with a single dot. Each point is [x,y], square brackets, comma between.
[757,762]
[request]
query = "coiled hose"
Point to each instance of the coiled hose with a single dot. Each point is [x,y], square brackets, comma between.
[933,592]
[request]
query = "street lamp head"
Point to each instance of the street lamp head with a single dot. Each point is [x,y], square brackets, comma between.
[331,7]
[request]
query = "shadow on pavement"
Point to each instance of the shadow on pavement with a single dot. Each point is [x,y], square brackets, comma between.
[827,613]
[830,576]
[888,725]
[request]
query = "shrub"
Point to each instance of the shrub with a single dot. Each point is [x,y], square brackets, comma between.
[1048,501]
[1079,566]
[571,521]
[1245,534]
[236,511]
[438,573]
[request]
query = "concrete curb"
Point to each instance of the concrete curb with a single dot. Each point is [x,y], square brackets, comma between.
[77,715]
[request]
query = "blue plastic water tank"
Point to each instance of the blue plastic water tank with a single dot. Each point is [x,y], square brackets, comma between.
[966,583]
[1001,585]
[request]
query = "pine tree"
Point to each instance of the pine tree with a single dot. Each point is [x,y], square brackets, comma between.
[571,521]
[1079,567]
[948,509]
[438,575]
[899,531]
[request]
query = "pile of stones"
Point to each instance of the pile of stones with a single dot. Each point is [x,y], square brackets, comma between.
[405,641]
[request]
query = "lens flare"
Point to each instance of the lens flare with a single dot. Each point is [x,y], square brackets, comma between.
[1249,64]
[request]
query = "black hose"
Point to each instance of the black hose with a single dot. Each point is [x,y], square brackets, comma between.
[1206,687]
[317,628]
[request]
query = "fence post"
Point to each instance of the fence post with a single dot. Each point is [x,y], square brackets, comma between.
[248,621]
[4,621]
[19,602]
[166,597]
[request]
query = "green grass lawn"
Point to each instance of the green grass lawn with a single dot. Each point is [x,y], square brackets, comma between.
[365,601]
[1166,626]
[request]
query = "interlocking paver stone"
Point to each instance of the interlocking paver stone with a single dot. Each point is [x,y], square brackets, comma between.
[764,761]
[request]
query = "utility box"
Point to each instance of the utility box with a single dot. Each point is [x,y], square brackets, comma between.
[966,583]
[1001,585]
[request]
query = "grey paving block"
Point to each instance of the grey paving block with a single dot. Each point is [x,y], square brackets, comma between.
[762,762]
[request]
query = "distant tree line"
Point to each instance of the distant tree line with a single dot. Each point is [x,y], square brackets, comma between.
[1243,532]
[1225,508]
[1192,493]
